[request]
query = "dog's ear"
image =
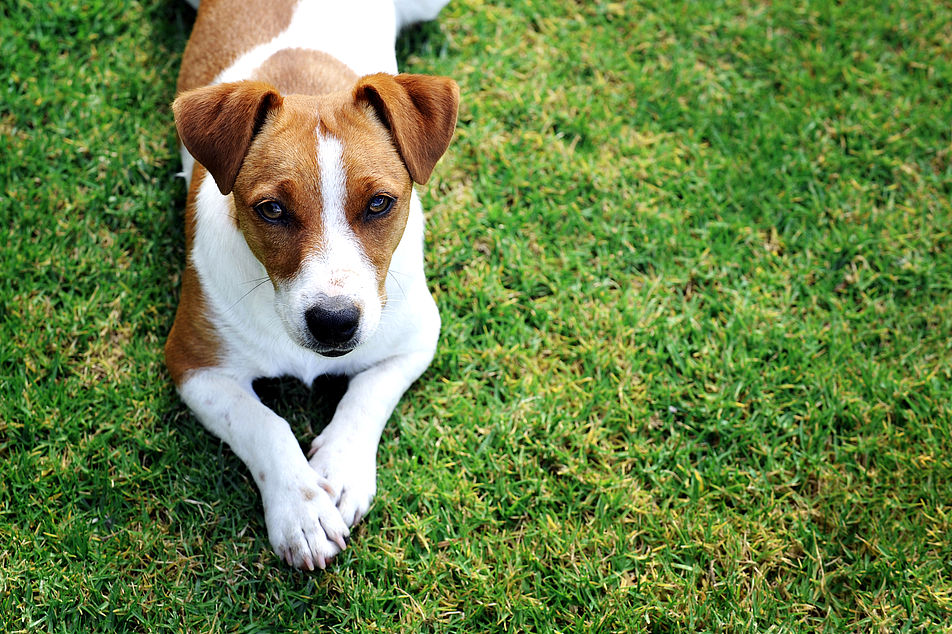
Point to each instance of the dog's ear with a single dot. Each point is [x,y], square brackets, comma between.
[419,110]
[217,123]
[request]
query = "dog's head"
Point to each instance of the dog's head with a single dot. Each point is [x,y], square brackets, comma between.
[321,187]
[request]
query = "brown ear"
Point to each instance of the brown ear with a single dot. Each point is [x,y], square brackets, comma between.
[420,111]
[216,124]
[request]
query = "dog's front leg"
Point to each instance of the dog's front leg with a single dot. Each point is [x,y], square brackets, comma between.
[304,526]
[345,453]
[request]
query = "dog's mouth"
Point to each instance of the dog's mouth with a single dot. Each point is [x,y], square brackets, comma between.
[328,349]
[334,353]
[331,351]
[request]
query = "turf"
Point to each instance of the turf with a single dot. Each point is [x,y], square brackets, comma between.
[694,262]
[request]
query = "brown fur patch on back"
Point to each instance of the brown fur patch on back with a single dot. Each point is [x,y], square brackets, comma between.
[305,72]
[226,29]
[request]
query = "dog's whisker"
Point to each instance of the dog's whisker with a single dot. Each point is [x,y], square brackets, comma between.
[396,281]
[392,305]
[254,288]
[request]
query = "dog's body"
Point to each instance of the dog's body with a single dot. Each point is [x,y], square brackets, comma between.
[304,241]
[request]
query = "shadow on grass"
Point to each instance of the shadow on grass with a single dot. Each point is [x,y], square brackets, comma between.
[307,410]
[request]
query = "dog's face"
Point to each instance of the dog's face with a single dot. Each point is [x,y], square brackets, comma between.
[321,188]
[322,199]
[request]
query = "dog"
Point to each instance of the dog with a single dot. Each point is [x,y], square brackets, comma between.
[304,238]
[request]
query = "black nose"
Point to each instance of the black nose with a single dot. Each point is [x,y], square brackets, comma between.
[332,321]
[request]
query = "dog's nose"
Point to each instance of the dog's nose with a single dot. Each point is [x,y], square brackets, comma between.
[333,321]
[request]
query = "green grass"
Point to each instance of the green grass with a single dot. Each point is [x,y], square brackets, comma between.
[694,262]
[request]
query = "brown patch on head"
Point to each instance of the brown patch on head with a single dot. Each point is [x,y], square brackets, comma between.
[281,166]
[224,30]
[305,72]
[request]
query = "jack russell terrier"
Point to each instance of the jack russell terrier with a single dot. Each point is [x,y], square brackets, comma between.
[304,241]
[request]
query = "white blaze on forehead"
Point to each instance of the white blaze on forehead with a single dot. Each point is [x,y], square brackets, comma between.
[340,258]
[333,182]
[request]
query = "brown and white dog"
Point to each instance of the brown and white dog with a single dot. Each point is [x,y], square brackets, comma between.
[305,241]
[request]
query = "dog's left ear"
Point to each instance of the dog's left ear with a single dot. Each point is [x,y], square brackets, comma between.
[419,110]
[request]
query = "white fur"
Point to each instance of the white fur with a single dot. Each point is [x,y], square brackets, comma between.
[413,11]
[256,345]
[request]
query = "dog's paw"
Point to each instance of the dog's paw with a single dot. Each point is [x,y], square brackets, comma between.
[304,526]
[348,472]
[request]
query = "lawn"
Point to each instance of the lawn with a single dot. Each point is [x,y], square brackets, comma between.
[694,263]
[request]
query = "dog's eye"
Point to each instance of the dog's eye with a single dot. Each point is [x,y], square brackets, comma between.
[270,210]
[379,204]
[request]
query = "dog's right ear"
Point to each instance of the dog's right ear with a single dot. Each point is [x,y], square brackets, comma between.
[217,123]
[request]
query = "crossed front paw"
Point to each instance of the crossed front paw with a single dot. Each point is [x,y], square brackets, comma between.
[347,472]
[305,527]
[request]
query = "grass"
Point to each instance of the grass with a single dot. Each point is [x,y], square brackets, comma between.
[694,262]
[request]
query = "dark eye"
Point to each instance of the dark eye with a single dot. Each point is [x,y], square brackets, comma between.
[270,210]
[379,204]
